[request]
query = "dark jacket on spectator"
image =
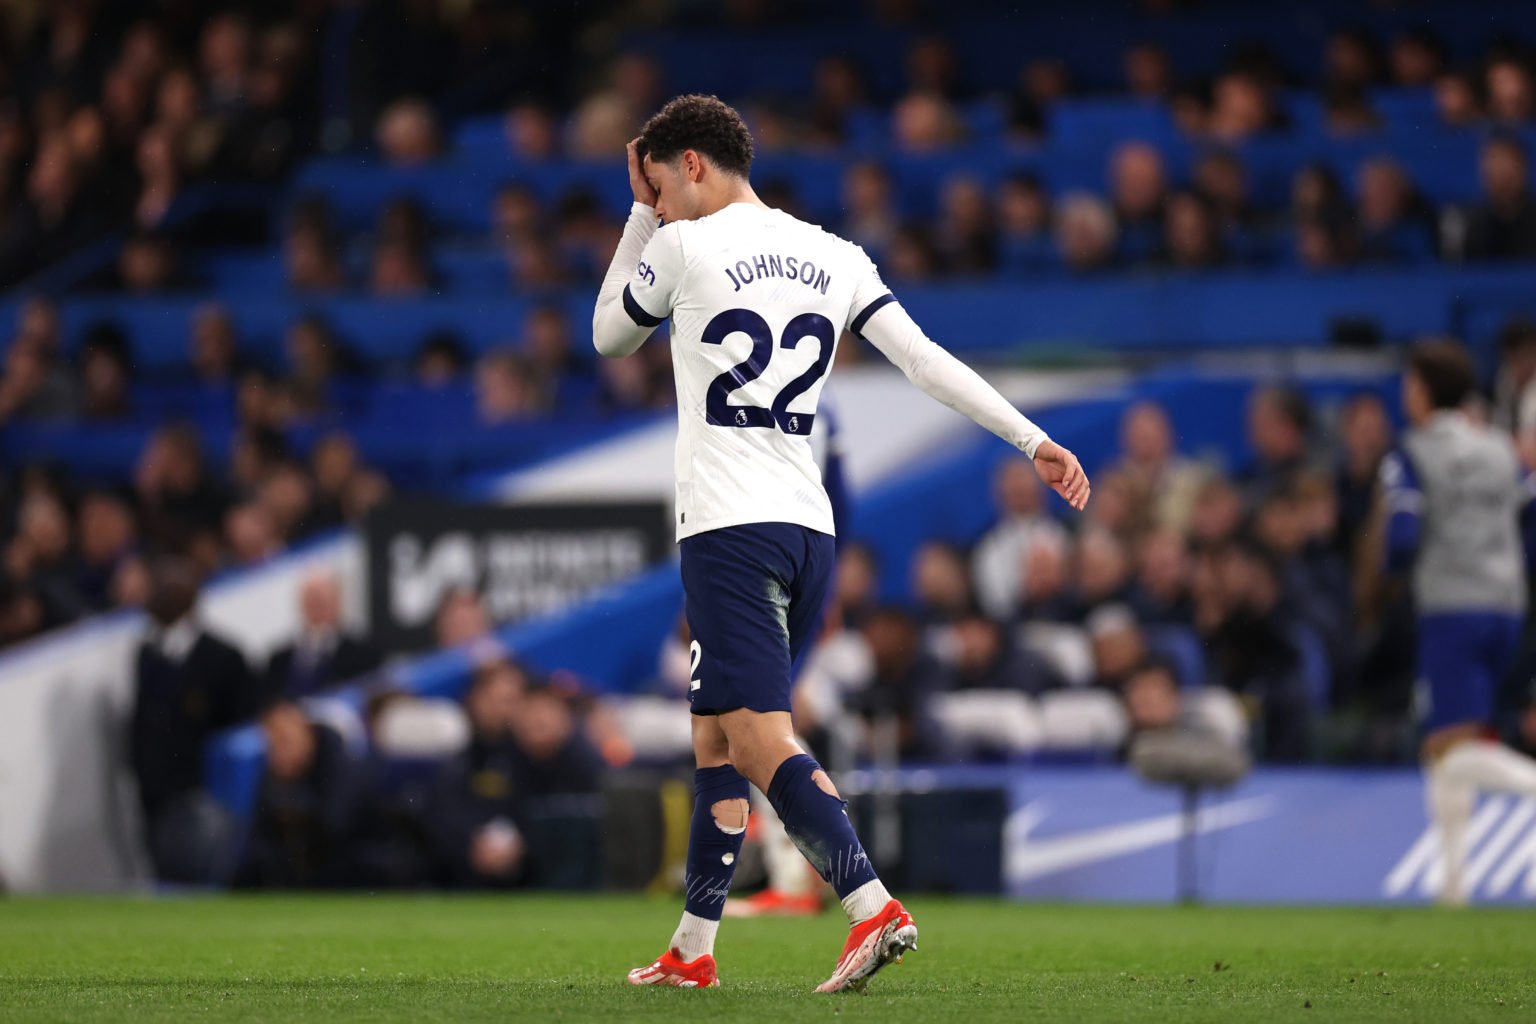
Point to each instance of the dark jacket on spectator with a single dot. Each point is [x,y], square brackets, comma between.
[296,671]
[301,830]
[189,683]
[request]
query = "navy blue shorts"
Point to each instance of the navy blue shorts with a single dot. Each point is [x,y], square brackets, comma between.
[1462,660]
[753,595]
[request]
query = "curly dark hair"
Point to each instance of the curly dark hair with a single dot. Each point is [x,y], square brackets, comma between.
[1446,370]
[704,124]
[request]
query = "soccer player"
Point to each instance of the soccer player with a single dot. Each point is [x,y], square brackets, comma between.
[758,301]
[1454,499]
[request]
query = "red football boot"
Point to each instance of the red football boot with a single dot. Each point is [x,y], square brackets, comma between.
[774,903]
[872,943]
[672,969]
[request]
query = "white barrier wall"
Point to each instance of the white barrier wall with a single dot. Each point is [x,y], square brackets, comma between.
[68,819]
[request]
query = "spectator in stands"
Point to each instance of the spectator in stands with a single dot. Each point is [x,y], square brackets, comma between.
[1138,185]
[1085,233]
[188,683]
[315,358]
[856,589]
[1279,434]
[940,583]
[837,89]
[311,260]
[912,257]
[1511,93]
[461,619]
[1222,180]
[998,562]
[1156,702]
[56,219]
[1102,571]
[475,815]
[251,534]
[333,464]
[531,131]
[931,67]
[1023,224]
[516,216]
[1458,100]
[147,263]
[1217,513]
[1514,386]
[107,539]
[895,704]
[1393,225]
[1504,226]
[398,270]
[985,657]
[1045,593]
[967,234]
[214,351]
[36,385]
[286,494]
[1248,644]
[505,391]
[160,177]
[407,134]
[1417,57]
[1351,59]
[1365,438]
[1347,112]
[1191,239]
[309,806]
[1148,72]
[324,654]
[21,612]
[1159,593]
[441,360]
[39,559]
[549,355]
[1117,643]
[923,122]
[104,374]
[1150,461]
[871,218]
[178,498]
[1242,108]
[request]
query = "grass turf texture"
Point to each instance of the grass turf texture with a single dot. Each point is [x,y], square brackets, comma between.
[265,958]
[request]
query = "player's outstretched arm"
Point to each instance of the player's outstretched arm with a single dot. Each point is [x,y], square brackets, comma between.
[622,321]
[941,375]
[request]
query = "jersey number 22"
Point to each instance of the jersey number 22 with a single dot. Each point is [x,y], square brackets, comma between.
[717,409]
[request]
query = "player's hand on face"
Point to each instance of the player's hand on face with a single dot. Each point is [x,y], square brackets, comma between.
[1060,470]
[637,183]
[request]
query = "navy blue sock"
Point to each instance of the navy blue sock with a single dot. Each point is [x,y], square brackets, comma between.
[712,851]
[818,823]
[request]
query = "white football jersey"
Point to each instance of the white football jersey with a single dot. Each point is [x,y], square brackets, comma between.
[758,301]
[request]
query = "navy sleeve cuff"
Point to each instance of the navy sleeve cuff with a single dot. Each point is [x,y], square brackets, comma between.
[637,312]
[857,327]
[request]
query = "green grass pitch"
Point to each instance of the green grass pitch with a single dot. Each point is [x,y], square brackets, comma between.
[340,958]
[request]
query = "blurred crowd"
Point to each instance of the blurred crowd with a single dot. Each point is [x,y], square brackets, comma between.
[500,787]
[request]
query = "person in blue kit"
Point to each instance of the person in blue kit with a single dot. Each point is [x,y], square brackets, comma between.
[1454,501]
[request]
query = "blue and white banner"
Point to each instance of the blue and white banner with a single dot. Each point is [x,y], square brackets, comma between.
[1282,836]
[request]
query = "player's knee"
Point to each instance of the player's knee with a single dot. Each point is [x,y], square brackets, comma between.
[823,780]
[730,815]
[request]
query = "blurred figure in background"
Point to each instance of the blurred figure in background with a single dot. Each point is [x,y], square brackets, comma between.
[324,655]
[1454,503]
[188,684]
[308,809]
